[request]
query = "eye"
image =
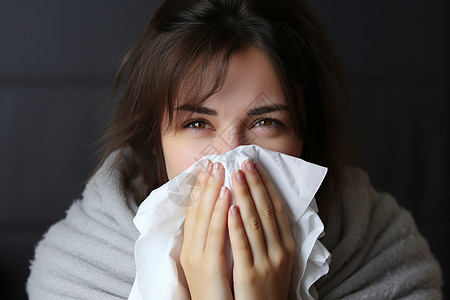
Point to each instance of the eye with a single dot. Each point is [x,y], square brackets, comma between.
[197,125]
[266,123]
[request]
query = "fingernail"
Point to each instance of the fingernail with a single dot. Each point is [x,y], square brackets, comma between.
[222,192]
[249,165]
[239,175]
[206,166]
[215,168]
[234,210]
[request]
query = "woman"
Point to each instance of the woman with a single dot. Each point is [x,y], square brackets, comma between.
[206,77]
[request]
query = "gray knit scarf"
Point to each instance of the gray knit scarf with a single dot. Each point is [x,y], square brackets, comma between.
[377,252]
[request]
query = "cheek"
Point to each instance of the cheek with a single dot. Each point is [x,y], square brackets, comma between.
[286,144]
[180,154]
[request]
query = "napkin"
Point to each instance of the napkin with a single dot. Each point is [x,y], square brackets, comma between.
[160,220]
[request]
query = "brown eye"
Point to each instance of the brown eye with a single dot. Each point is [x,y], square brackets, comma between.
[199,125]
[265,123]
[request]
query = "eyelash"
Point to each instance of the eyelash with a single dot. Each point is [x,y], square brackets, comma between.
[191,122]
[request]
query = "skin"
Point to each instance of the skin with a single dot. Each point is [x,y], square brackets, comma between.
[260,237]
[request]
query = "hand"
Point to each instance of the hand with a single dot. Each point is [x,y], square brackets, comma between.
[202,254]
[261,239]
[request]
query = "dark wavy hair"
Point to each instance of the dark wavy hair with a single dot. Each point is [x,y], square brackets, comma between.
[195,39]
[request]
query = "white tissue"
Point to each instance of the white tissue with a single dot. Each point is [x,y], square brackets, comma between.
[160,221]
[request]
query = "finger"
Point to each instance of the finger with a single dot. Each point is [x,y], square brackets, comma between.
[216,233]
[249,216]
[206,206]
[284,230]
[200,183]
[263,204]
[242,253]
[196,194]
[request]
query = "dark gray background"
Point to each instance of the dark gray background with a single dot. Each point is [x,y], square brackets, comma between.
[57,59]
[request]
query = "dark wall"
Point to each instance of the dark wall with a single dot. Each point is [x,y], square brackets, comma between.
[57,59]
[396,54]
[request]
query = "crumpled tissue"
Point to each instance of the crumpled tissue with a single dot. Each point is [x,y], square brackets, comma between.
[160,220]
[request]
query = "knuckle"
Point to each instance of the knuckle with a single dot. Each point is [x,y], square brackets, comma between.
[241,246]
[213,231]
[278,206]
[212,181]
[255,224]
[201,180]
[290,246]
[201,215]
[267,210]
[196,193]
[279,257]
[251,278]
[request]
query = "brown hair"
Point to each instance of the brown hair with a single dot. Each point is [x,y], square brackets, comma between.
[196,38]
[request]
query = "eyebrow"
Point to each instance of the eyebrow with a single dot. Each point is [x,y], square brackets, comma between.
[250,112]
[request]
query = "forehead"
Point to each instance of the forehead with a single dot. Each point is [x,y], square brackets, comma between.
[248,79]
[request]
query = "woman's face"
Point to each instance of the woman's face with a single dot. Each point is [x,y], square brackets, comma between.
[249,109]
